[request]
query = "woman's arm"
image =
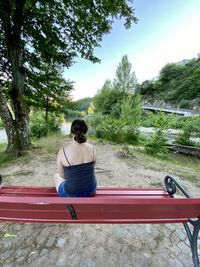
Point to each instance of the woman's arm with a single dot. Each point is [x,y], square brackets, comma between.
[59,164]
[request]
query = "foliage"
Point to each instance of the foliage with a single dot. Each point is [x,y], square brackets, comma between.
[125,81]
[158,142]
[131,135]
[109,98]
[48,90]
[93,121]
[178,84]
[39,127]
[83,104]
[190,128]
[1,124]
[131,110]
[36,33]
[110,129]
[169,120]
[71,114]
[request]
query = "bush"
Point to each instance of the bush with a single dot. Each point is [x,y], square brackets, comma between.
[111,130]
[73,114]
[130,135]
[185,104]
[94,119]
[39,128]
[190,128]
[158,143]
[1,124]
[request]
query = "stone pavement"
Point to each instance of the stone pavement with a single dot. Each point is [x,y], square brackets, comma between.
[41,245]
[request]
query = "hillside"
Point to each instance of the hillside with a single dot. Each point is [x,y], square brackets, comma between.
[178,85]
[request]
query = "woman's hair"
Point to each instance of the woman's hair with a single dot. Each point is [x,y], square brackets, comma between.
[79,128]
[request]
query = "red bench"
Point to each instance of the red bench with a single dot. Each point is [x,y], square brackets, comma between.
[109,205]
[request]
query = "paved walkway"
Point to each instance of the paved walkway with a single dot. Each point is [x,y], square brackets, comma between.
[94,245]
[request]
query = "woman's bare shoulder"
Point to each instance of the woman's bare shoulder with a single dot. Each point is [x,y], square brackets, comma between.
[64,146]
[91,145]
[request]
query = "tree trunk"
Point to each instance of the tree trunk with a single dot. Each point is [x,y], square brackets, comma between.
[17,125]
[17,140]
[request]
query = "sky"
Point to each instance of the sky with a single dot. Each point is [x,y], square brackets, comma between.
[167,31]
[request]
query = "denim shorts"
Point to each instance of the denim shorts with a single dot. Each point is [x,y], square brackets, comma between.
[87,193]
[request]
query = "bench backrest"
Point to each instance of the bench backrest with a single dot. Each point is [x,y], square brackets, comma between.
[109,205]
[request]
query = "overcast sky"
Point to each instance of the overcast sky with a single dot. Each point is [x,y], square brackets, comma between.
[167,31]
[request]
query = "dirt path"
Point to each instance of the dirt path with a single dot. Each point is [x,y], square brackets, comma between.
[96,245]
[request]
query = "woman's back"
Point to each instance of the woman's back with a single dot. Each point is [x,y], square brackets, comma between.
[75,164]
[75,153]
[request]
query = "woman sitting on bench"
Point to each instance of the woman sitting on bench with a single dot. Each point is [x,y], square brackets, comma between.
[75,163]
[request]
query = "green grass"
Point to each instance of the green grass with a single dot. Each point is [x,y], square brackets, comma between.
[5,158]
[8,158]
[50,144]
[184,167]
[47,145]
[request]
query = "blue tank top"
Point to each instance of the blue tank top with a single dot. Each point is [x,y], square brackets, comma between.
[79,178]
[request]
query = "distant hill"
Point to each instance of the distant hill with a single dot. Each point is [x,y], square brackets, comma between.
[178,85]
[83,104]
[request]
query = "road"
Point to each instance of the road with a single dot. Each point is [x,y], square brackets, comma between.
[65,129]
[147,131]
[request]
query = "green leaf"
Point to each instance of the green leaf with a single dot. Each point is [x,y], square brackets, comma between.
[7,235]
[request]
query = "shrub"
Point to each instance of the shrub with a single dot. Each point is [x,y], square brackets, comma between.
[94,119]
[191,127]
[184,103]
[111,130]
[73,114]
[39,128]
[158,143]
[130,135]
[1,124]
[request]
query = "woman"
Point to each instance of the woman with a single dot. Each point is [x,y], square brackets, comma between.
[75,163]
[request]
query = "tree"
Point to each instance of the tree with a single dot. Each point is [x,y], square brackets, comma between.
[48,90]
[177,84]
[146,88]
[131,109]
[125,81]
[35,32]
[171,71]
[108,100]
[83,104]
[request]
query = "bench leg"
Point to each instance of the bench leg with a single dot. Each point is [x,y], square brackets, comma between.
[171,185]
[193,239]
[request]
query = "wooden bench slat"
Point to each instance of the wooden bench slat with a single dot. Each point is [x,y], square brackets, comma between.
[105,221]
[131,205]
[101,192]
[139,209]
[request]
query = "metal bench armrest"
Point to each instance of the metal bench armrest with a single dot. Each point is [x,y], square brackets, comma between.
[171,184]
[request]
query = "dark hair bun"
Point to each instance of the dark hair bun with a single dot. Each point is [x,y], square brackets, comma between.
[80,137]
[79,129]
